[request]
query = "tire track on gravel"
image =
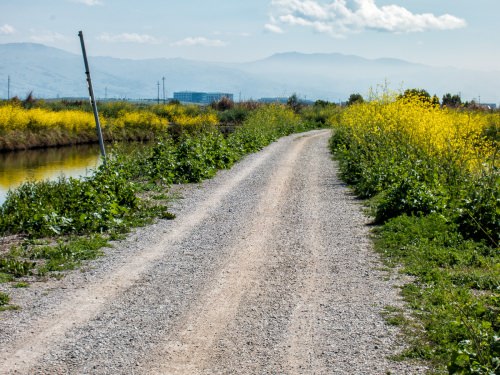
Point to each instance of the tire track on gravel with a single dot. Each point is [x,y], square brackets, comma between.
[279,327]
[87,302]
[188,351]
[301,344]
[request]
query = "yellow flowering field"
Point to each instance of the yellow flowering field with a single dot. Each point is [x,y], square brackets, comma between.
[419,127]
[422,159]
[22,128]
[13,117]
[186,115]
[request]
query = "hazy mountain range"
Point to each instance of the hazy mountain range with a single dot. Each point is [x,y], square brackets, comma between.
[51,72]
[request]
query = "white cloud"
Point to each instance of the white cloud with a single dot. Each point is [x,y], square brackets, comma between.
[340,17]
[199,41]
[47,37]
[88,2]
[128,38]
[7,30]
[273,28]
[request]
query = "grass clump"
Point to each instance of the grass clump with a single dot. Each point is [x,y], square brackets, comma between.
[31,258]
[4,299]
[4,303]
[68,206]
[21,284]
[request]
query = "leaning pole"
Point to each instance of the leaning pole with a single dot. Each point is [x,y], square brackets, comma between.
[92,99]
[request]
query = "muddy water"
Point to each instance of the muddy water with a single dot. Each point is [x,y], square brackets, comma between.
[45,164]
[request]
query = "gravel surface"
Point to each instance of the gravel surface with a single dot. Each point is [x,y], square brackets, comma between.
[268,269]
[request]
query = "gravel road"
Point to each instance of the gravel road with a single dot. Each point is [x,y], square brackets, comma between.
[267,269]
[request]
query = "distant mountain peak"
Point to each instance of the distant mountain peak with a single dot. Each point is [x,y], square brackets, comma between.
[52,72]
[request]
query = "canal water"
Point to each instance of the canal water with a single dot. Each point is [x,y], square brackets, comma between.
[46,164]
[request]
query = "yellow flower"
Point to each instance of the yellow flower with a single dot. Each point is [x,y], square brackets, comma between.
[456,138]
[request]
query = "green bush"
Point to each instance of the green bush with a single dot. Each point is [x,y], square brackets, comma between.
[408,196]
[199,158]
[65,206]
[236,115]
[161,164]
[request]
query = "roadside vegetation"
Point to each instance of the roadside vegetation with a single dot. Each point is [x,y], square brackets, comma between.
[47,227]
[431,175]
[35,123]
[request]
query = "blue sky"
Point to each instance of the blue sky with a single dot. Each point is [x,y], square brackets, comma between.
[434,32]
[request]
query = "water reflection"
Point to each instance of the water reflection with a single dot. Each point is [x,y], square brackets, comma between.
[47,164]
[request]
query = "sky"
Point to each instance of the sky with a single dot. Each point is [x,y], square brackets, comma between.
[455,33]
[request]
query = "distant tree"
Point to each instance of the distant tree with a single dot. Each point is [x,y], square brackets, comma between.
[452,101]
[174,101]
[421,94]
[355,99]
[435,101]
[322,103]
[294,103]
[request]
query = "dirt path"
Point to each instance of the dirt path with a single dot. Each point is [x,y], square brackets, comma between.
[267,269]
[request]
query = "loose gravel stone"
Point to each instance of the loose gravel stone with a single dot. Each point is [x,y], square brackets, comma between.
[267,269]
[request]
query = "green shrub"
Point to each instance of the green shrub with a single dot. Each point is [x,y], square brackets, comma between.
[66,206]
[408,196]
[197,158]
[162,162]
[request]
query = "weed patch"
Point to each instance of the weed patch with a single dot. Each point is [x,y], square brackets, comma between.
[4,299]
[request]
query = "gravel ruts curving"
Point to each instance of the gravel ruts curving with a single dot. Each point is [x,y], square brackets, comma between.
[267,269]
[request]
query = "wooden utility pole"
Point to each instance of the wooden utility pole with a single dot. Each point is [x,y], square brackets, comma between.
[92,99]
[8,87]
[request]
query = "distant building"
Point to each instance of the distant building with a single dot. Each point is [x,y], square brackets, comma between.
[201,97]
